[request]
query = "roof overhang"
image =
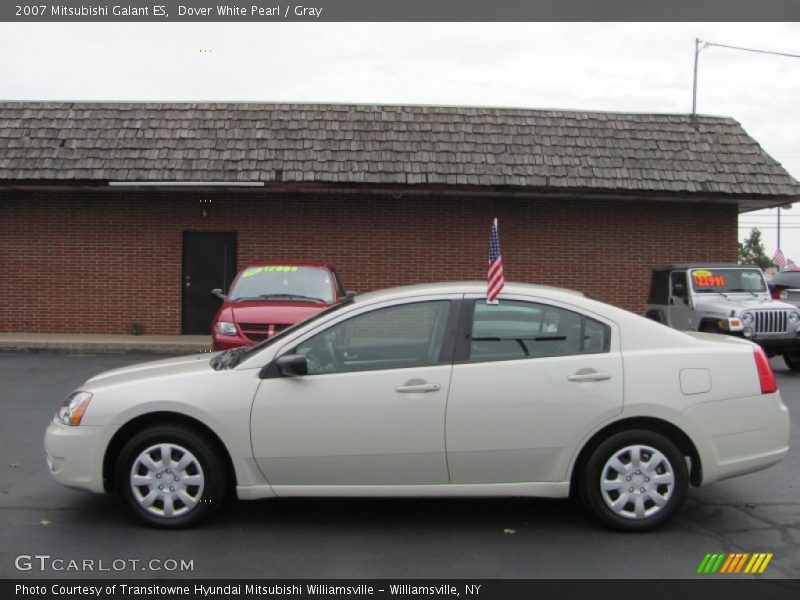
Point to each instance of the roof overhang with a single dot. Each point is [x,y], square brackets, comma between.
[744,203]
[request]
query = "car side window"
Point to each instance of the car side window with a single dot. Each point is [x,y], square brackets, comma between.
[397,337]
[514,330]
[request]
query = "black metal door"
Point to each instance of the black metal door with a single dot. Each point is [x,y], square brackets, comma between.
[209,261]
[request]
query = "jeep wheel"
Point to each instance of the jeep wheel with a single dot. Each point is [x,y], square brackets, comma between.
[792,360]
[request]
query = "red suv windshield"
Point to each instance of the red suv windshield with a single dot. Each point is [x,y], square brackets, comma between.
[289,282]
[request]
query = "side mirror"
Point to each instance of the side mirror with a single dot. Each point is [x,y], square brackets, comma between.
[218,293]
[678,290]
[292,365]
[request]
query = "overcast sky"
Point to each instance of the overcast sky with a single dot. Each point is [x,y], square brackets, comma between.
[644,67]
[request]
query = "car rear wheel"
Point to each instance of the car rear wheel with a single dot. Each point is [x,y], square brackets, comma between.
[171,476]
[635,480]
[792,360]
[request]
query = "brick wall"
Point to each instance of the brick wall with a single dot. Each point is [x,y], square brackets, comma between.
[96,262]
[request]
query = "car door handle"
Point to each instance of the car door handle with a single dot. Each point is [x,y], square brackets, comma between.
[589,375]
[420,388]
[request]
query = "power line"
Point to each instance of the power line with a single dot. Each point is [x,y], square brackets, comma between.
[708,44]
[701,45]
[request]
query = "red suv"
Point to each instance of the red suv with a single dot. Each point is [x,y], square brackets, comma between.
[266,298]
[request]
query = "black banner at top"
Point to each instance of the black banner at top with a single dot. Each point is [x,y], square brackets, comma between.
[207,11]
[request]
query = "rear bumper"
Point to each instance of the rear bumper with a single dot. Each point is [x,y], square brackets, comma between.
[741,435]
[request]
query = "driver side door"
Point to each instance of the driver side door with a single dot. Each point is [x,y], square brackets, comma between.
[680,311]
[371,410]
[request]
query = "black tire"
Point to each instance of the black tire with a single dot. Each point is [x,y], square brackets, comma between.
[625,518]
[202,482]
[708,328]
[792,360]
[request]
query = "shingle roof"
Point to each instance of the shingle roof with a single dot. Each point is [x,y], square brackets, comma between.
[248,142]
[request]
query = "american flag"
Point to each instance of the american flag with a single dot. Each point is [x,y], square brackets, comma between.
[791,265]
[495,279]
[779,259]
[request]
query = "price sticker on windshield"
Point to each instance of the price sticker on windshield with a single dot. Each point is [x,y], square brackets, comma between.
[270,269]
[708,279]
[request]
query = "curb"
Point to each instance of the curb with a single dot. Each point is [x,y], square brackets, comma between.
[99,349]
[105,346]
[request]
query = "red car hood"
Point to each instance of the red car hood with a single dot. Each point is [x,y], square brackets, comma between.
[273,312]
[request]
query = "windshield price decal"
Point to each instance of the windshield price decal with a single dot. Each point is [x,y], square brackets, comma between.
[708,279]
[270,269]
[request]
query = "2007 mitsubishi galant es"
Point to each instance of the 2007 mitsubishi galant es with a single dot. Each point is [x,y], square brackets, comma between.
[429,391]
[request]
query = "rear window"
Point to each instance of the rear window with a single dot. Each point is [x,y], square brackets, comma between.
[274,281]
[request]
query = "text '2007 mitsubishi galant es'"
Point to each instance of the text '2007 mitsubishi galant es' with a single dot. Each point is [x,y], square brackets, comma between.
[429,391]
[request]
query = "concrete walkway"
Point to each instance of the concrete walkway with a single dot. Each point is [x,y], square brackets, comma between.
[104,344]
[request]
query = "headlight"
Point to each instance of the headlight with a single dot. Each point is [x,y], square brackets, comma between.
[225,328]
[747,318]
[71,411]
[793,316]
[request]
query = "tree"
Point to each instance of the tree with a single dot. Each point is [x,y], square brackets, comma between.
[751,251]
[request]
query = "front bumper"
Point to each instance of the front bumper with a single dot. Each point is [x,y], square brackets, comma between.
[772,343]
[777,345]
[75,455]
[227,342]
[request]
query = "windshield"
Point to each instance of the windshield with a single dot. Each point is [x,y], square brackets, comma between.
[230,358]
[727,281]
[276,282]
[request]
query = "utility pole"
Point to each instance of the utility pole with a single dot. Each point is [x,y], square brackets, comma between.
[700,45]
[694,83]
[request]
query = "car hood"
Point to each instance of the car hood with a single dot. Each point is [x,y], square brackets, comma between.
[287,313]
[738,302]
[151,370]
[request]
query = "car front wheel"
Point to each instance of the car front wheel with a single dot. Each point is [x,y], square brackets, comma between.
[635,480]
[792,360]
[171,476]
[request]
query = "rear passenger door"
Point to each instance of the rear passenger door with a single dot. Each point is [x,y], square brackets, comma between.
[529,380]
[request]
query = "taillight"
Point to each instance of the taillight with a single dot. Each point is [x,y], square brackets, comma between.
[775,293]
[765,375]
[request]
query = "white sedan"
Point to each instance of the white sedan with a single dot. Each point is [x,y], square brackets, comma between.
[429,391]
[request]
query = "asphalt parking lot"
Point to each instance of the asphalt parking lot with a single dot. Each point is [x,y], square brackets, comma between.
[506,538]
